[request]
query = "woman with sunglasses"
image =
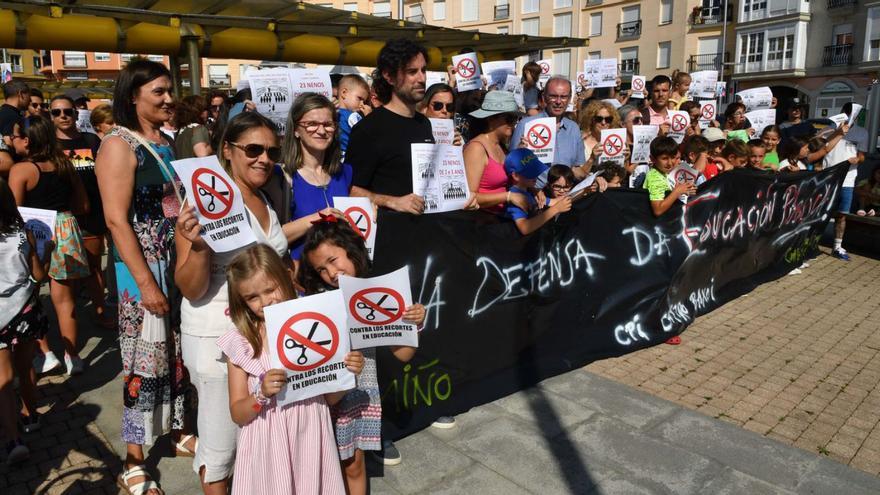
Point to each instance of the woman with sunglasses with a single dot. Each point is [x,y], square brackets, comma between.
[82,148]
[439,103]
[248,152]
[597,115]
[311,155]
[141,197]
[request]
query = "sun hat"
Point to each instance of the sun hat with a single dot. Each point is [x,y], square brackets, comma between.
[713,134]
[494,103]
[525,163]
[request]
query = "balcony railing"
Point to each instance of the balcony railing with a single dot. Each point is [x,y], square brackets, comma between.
[627,30]
[707,61]
[838,55]
[219,80]
[502,11]
[17,68]
[420,18]
[74,60]
[833,4]
[629,66]
[707,16]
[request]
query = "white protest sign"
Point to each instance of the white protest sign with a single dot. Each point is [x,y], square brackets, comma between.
[613,146]
[497,72]
[218,203]
[511,83]
[761,119]
[361,216]
[756,98]
[684,173]
[854,114]
[375,310]
[272,91]
[642,137]
[704,83]
[546,71]
[708,111]
[84,121]
[582,185]
[601,73]
[41,224]
[311,81]
[540,137]
[678,124]
[638,85]
[443,130]
[307,337]
[839,119]
[439,176]
[433,77]
[467,72]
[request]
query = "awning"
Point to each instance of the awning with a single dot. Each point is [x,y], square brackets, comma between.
[249,29]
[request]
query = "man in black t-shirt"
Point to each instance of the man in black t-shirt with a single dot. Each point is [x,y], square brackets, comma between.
[379,147]
[17,97]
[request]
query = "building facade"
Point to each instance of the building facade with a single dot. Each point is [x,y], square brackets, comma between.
[23,64]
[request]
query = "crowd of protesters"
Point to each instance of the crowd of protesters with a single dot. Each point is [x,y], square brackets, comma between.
[191,320]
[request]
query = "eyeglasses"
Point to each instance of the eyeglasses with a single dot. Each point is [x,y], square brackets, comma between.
[254,150]
[560,187]
[598,119]
[557,97]
[635,120]
[37,105]
[312,126]
[739,114]
[438,105]
[69,112]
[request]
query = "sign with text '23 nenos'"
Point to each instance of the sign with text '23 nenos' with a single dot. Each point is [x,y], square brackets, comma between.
[375,310]
[218,203]
[308,337]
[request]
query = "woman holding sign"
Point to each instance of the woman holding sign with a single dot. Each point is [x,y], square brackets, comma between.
[598,115]
[249,150]
[141,204]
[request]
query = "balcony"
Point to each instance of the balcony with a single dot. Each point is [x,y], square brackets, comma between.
[219,80]
[17,68]
[710,16]
[838,55]
[420,18]
[629,30]
[707,61]
[628,66]
[834,4]
[502,12]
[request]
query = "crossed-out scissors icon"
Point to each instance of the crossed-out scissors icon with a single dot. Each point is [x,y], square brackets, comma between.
[292,344]
[372,314]
[204,192]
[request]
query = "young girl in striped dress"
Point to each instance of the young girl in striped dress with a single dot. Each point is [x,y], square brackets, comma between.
[289,450]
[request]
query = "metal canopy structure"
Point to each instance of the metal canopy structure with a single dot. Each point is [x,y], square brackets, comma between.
[280,30]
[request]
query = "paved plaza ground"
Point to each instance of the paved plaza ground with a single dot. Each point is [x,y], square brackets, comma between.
[775,392]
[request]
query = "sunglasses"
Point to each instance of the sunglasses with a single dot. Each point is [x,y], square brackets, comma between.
[38,105]
[69,112]
[438,105]
[254,150]
[636,120]
[599,119]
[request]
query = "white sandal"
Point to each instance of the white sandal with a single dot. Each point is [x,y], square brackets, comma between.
[181,450]
[139,488]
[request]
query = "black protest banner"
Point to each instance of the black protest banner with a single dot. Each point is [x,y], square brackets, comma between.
[607,278]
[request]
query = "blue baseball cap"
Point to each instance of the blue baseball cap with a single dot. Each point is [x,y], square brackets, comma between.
[525,163]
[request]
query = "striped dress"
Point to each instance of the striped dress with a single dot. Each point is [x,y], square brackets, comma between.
[282,451]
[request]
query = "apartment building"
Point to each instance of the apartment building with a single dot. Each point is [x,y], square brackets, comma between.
[66,65]
[23,64]
[824,51]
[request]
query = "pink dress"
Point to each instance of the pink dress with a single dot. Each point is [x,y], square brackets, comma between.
[282,451]
[493,180]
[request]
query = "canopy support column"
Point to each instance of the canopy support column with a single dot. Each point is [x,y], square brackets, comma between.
[195,64]
[175,76]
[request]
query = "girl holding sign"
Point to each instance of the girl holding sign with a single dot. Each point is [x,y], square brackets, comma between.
[333,248]
[281,450]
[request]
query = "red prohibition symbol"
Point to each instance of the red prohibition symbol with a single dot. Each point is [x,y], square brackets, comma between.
[545,68]
[205,184]
[539,136]
[365,304]
[612,145]
[679,122]
[466,68]
[708,112]
[638,84]
[359,221]
[291,340]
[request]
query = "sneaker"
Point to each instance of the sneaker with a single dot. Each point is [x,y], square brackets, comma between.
[45,363]
[444,422]
[389,455]
[16,452]
[796,271]
[30,424]
[840,254]
[74,364]
[805,265]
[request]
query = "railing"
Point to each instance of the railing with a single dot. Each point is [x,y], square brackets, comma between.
[502,11]
[707,61]
[833,4]
[420,18]
[386,15]
[838,55]
[17,68]
[629,29]
[629,66]
[219,80]
[707,16]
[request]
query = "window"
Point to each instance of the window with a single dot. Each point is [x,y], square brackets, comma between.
[561,4]
[780,51]
[530,26]
[874,50]
[439,10]
[469,10]
[415,13]
[126,57]
[382,9]
[562,25]
[38,63]
[665,12]
[502,9]
[842,34]
[664,54]
[530,6]
[503,29]
[350,7]
[325,5]
[711,9]
[596,24]
[218,75]
[872,35]
[751,52]
[561,62]
[74,59]
[15,60]
[594,55]
[754,9]
[629,60]
[630,14]
[156,58]
[102,56]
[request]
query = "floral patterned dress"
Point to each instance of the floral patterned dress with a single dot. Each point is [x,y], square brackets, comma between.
[153,372]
